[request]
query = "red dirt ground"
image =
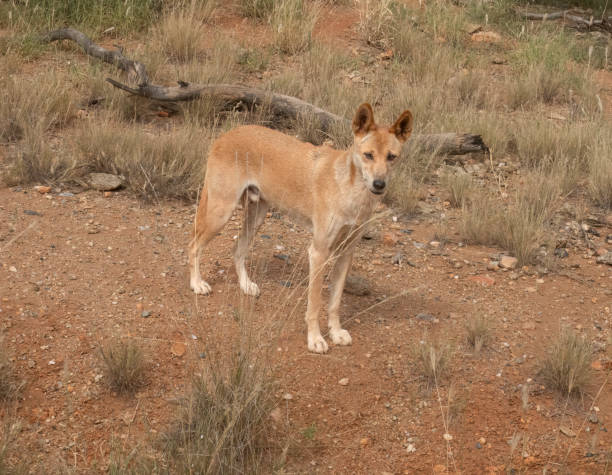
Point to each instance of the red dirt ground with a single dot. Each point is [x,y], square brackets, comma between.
[80,274]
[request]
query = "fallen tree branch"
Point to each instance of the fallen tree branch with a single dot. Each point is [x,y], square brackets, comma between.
[603,23]
[279,105]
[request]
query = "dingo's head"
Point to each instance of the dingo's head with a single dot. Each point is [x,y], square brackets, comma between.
[376,147]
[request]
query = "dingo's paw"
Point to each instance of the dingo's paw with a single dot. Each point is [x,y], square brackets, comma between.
[317,344]
[200,287]
[250,288]
[340,336]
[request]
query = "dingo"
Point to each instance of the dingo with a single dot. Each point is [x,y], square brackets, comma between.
[332,192]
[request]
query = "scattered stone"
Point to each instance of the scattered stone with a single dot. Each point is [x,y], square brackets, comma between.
[561,252]
[31,364]
[508,262]
[435,244]
[30,212]
[513,276]
[287,396]
[66,194]
[108,194]
[105,181]
[356,285]
[426,317]
[486,37]
[282,257]
[609,239]
[43,189]
[265,236]
[145,314]
[13,269]
[178,348]
[458,265]
[365,441]
[389,239]
[411,448]
[567,431]
[447,437]
[483,280]
[478,445]
[605,259]
[593,419]
[482,440]
[343,382]
[285,283]
[493,266]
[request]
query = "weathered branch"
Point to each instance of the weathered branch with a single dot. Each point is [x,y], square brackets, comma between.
[602,23]
[279,104]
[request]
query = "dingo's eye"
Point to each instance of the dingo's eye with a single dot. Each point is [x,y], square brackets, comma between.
[369,155]
[391,157]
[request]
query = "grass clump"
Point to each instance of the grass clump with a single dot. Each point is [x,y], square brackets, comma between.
[600,173]
[9,385]
[182,30]
[292,23]
[261,9]
[124,366]
[223,425]
[478,330]
[434,361]
[567,367]
[459,185]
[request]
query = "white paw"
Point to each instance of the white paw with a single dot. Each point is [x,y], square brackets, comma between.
[340,336]
[200,287]
[250,288]
[317,344]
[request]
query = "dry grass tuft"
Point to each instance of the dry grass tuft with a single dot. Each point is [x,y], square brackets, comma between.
[478,332]
[434,361]
[459,185]
[154,166]
[600,172]
[181,31]
[567,367]
[124,366]
[375,22]
[292,23]
[261,9]
[224,423]
[9,385]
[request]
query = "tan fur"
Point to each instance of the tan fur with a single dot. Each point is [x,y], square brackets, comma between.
[332,192]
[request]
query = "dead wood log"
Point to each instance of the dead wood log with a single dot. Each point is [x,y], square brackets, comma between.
[278,104]
[602,23]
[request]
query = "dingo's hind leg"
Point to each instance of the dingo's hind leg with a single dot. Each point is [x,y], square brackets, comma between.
[254,214]
[210,219]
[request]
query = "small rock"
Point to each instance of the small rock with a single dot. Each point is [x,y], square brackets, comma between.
[457,265]
[356,285]
[447,437]
[145,314]
[287,396]
[285,283]
[365,441]
[282,257]
[425,316]
[31,364]
[43,189]
[108,194]
[482,440]
[605,259]
[13,269]
[486,37]
[66,194]
[478,445]
[343,382]
[493,265]
[567,431]
[178,349]
[435,244]
[389,239]
[30,212]
[593,419]
[508,262]
[483,280]
[561,253]
[105,181]
[411,448]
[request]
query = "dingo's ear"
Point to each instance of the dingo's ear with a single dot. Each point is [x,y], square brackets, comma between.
[363,122]
[403,126]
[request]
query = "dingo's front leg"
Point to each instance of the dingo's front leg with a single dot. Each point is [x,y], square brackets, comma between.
[338,335]
[317,255]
